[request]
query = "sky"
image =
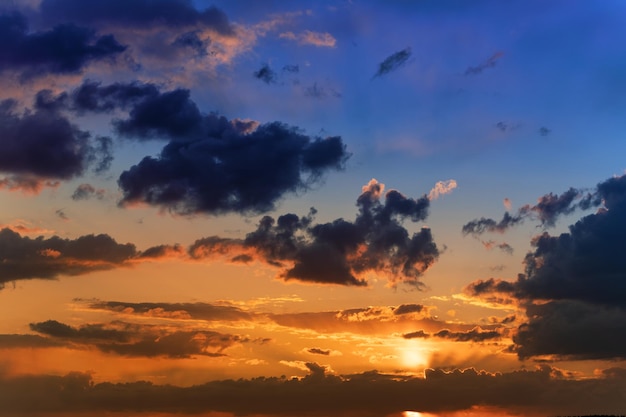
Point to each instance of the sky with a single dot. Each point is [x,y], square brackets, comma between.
[312,208]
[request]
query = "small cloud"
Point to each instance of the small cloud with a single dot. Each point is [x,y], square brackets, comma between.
[317,91]
[489,63]
[311,38]
[507,203]
[544,131]
[61,215]
[291,68]
[393,62]
[87,191]
[266,74]
[441,188]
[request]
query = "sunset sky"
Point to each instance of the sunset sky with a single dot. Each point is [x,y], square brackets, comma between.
[312,208]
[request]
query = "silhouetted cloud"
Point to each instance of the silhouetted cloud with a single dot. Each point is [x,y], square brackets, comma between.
[137,340]
[408,309]
[136,14]
[44,145]
[489,63]
[503,246]
[197,311]
[474,335]
[318,351]
[544,390]
[65,49]
[26,258]
[236,167]
[576,277]
[393,62]
[340,251]
[265,74]
[548,209]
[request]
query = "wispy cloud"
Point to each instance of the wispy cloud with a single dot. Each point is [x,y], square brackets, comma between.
[393,62]
[307,37]
[488,63]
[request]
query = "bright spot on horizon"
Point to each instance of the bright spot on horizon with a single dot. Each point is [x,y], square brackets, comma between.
[411,414]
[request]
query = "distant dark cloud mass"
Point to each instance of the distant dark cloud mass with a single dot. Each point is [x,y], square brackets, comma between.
[44,144]
[234,166]
[578,279]
[65,49]
[136,13]
[393,62]
[340,251]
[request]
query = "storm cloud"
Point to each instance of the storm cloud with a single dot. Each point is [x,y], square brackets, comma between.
[340,252]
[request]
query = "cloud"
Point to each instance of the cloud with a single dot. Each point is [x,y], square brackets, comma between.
[507,203]
[231,169]
[136,340]
[544,131]
[196,311]
[87,191]
[474,335]
[393,62]
[137,14]
[503,246]
[266,74]
[318,351]
[41,145]
[308,37]
[544,390]
[575,276]
[26,258]
[65,49]
[441,188]
[409,309]
[318,91]
[489,63]
[340,252]
[548,209]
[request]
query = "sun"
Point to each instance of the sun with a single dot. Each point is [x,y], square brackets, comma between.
[411,414]
[412,355]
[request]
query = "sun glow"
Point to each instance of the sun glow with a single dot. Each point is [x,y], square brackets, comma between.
[411,414]
[413,355]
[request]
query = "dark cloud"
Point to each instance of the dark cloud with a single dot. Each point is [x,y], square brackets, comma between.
[26,258]
[580,274]
[87,191]
[136,14]
[61,214]
[91,96]
[318,351]
[474,335]
[548,209]
[140,340]
[266,74]
[340,252]
[231,169]
[44,144]
[489,63]
[16,341]
[544,390]
[197,311]
[572,330]
[408,309]
[393,62]
[65,49]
